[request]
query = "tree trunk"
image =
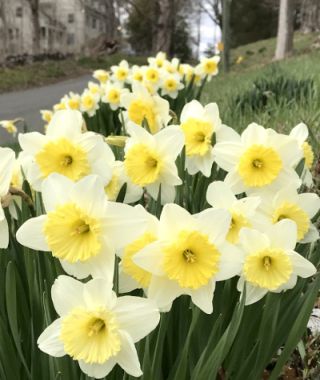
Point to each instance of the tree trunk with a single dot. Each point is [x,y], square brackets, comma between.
[310,16]
[112,21]
[165,25]
[34,7]
[285,29]
[226,7]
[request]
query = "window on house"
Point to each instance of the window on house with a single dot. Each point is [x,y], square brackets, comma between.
[70,39]
[94,23]
[19,12]
[70,18]
[11,35]
[43,32]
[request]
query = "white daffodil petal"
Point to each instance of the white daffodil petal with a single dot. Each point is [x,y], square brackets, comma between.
[203,296]
[252,240]
[254,294]
[310,203]
[215,223]
[150,258]
[49,341]
[127,358]
[31,235]
[67,293]
[283,234]
[231,261]
[55,191]
[4,233]
[164,291]
[97,371]
[301,266]
[219,195]
[138,316]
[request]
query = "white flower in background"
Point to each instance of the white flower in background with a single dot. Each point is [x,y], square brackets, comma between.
[96,328]
[243,211]
[159,60]
[89,102]
[271,264]
[7,162]
[172,67]
[72,101]
[261,159]
[171,85]
[95,88]
[119,178]
[300,133]
[112,94]
[199,125]
[208,67]
[9,126]
[46,115]
[132,276]
[288,204]
[150,160]
[81,228]
[65,150]
[121,72]
[136,74]
[152,77]
[186,71]
[189,256]
[16,185]
[140,106]
[101,75]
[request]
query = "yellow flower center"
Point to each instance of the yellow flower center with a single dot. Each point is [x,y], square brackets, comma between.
[238,221]
[140,110]
[159,62]
[259,166]
[113,187]
[143,165]
[121,74]
[268,269]
[90,335]
[129,267]
[64,157]
[152,75]
[192,260]
[308,154]
[114,96]
[138,76]
[88,101]
[210,67]
[73,103]
[170,84]
[198,135]
[103,77]
[71,234]
[292,211]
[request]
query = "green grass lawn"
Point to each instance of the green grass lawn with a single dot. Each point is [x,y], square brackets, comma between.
[41,73]
[236,91]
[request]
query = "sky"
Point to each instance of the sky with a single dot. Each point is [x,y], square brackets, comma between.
[210,33]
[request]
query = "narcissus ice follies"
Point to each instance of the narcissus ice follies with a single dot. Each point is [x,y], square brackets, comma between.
[96,328]
[81,228]
[189,256]
[270,263]
[259,159]
[65,150]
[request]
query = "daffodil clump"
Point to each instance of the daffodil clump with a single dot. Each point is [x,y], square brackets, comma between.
[172,244]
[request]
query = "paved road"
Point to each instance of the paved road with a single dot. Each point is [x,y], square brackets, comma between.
[27,103]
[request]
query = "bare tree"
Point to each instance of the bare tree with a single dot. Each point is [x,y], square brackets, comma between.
[35,19]
[165,25]
[285,29]
[213,8]
[310,16]
[226,33]
[112,20]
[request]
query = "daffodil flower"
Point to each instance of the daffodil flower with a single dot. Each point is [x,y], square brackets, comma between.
[81,228]
[189,256]
[259,159]
[64,150]
[270,263]
[96,328]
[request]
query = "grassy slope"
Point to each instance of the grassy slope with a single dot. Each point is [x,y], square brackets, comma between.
[41,73]
[305,63]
